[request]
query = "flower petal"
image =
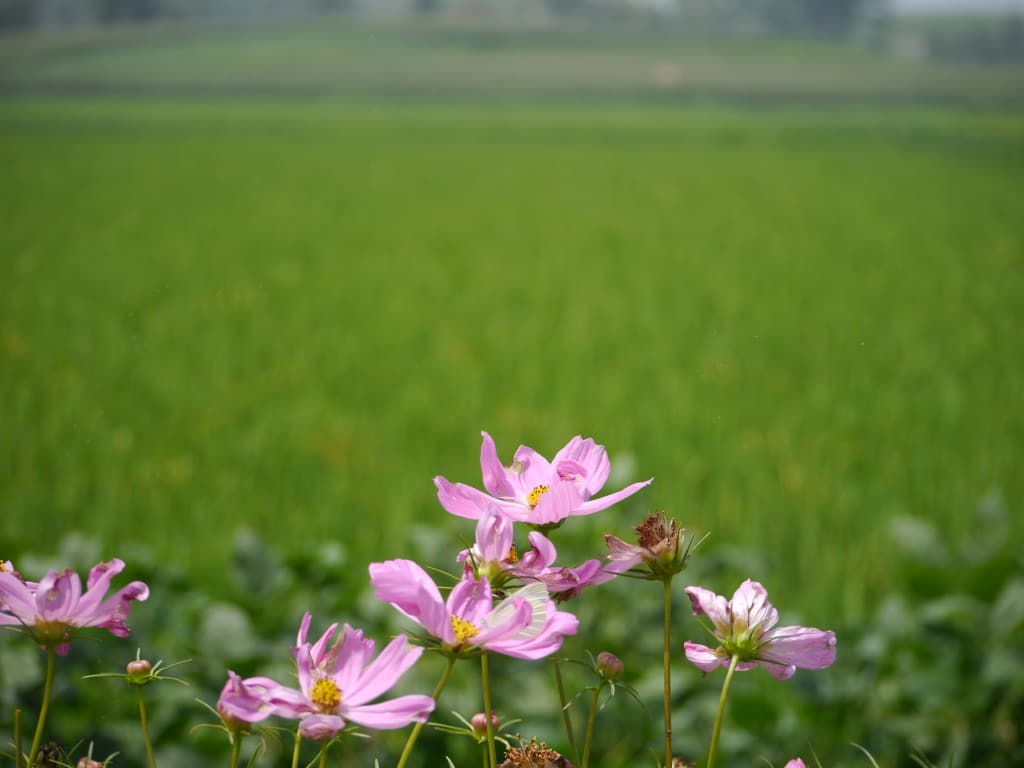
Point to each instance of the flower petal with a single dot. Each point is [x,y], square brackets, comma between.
[561,500]
[470,600]
[702,657]
[57,596]
[750,607]
[407,587]
[596,505]
[803,647]
[592,460]
[460,499]
[320,728]
[396,713]
[17,598]
[715,607]
[494,473]
[383,672]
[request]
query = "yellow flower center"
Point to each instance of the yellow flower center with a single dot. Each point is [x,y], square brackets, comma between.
[325,695]
[534,496]
[512,556]
[463,629]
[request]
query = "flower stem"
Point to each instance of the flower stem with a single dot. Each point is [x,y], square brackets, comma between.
[145,729]
[419,726]
[295,753]
[566,714]
[17,738]
[51,656]
[236,749]
[666,663]
[590,724]
[721,712]
[323,756]
[487,709]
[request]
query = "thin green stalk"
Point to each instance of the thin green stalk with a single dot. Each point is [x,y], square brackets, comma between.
[487,709]
[666,663]
[590,724]
[145,729]
[323,756]
[483,756]
[419,726]
[51,657]
[713,752]
[566,714]
[17,738]
[236,749]
[295,753]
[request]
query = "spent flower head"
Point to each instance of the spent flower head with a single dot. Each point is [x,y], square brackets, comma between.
[535,754]
[745,628]
[534,490]
[53,609]
[661,545]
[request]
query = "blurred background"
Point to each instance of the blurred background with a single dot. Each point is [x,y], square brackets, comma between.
[268,267]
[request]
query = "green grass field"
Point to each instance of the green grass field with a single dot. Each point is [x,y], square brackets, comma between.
[289,315]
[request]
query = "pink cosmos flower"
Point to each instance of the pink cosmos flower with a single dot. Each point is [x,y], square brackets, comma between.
[337,682]
[745,627]
[245,701]
[533,490]
[494,555]
[525,625]
[51,609]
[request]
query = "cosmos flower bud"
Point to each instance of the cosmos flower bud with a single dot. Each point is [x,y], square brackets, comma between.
[88,762]
[138,669]
[609,666]
[479,723]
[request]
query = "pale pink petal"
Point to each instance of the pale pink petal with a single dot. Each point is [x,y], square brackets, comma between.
[715,607]
[112,612]
[396,713]
[494,473]
[300,638]
[16,597]
[460,499]
[354,653]
[407,587]
[382,674]
[540,556]
[778,671]
[803,647]
[320,728]
[247,700]
[511,618]
[592,460]
[323,656]
[702,657]
[549,640]
[596,505]
[561,500]
[750,606]
[795,763]
[534,470]
[470,600]
[493,536]
[289,703]
[620,551]
[57,596]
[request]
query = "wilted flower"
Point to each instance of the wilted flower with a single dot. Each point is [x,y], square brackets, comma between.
[525,625]
[534,755]
[745,628]
[245,701]
[494,555]
[51,609]
[533,490]
[337,682]
[661,546]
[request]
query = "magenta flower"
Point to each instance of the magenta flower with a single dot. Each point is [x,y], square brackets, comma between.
[525,625]
[745,628]
[245,701]
[337,682]
[494,555]
[53,608]
[533,490]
